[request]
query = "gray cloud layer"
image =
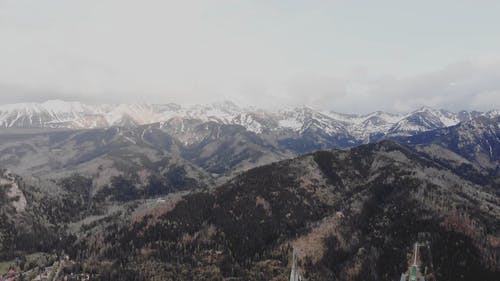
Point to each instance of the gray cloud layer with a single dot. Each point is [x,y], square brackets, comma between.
[339,55]
[466,85]
[472,85]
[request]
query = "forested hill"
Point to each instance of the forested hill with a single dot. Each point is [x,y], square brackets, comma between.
[353,215]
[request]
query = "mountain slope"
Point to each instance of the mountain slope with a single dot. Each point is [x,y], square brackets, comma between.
[102,154]
[351,214]
[471,148]
[204,151]
[477,140]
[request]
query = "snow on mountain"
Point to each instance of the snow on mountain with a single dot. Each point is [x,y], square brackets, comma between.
[421,120]
[376,125]
[365,127]
[249,122]
[47,114]
[492,113]
[304,119]
[76,115]
[222,112]
[477,140]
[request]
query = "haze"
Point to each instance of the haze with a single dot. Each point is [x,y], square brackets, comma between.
[349,56]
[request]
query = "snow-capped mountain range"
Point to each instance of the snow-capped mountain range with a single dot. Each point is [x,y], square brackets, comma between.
[301,120]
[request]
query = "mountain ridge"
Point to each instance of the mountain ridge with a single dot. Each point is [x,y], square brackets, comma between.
[350,212]
[199,199]
[360,128]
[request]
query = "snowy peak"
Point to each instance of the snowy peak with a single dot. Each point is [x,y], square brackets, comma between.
[306,119]
[257,122]
[76,115]
[445,117]
[476,140]
[222,112]
[423,119]
[46,114]
[298,121]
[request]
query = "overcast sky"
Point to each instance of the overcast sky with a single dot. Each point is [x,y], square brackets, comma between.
[349,56]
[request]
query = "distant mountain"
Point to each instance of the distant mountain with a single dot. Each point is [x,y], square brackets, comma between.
[477,140]
[76,115]
[201,152]
[471,148]
[213,142]
[341,130]
[424,119]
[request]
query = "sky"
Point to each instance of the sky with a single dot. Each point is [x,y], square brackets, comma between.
[343,55]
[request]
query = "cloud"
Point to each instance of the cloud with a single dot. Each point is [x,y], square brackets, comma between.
[263,53]
[471,85]
[464,85]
